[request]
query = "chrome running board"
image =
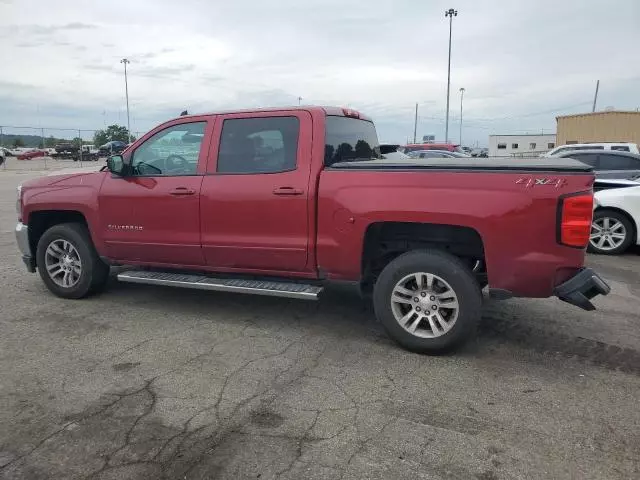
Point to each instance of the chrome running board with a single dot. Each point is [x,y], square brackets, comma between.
[202,282]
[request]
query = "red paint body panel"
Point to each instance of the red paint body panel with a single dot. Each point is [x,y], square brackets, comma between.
[239,211]
[170,225]
[517,225]
[74,192]
[235,223]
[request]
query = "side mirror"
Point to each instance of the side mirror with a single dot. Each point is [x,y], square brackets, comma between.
[116,165]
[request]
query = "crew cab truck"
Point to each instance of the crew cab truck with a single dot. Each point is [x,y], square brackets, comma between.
[283,201]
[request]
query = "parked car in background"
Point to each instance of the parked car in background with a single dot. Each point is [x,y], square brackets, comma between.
[66,149]
[437,154]
[87,153]
[19,151]
[113,147]
[618,147]
[31,154]
[608,163]
[3,156]
[413,147]
[480,152]
[91,149]
[616,219]
[390,152]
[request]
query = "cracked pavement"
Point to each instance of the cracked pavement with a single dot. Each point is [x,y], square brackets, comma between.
[146,382]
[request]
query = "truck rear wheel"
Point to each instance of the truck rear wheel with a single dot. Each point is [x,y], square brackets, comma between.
[428,301]
[68,262]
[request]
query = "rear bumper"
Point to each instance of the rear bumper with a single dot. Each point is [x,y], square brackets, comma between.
[581,288]
[22,239]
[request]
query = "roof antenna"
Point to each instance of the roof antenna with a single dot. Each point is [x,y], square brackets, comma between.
[184,112]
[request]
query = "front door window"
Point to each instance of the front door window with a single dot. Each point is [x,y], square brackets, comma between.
[171,152]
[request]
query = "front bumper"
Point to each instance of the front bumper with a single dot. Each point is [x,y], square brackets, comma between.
[22,238]
[581,288]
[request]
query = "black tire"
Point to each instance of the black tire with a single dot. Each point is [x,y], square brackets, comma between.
[94,273]
[451,270]
[629,230]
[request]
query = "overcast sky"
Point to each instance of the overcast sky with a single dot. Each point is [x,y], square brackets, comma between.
[521,62]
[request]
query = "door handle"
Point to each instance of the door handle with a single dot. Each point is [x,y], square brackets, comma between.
[181,191]
[287,191]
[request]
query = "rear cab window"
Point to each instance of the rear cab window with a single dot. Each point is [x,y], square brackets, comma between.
[349,139]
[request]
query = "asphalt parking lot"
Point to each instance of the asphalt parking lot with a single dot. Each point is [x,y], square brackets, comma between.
[148,383]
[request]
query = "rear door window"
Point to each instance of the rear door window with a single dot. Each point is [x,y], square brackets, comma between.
[258,145]
[588,158]
[620,148]
[350,139]
[618,162]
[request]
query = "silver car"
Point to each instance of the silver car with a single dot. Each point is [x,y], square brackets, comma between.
[437,154]
[608,163]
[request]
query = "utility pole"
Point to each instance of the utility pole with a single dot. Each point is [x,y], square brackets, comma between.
[2,145]
[449,13]
[415,125]
[80,142]
[595,97]
[43,147]
[461,98]
[299,101]
[126,91]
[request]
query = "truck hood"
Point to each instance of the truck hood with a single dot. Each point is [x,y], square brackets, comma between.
[71,176]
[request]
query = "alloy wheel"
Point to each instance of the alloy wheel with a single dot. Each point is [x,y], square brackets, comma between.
[63,264]
[607,233]
[425,305]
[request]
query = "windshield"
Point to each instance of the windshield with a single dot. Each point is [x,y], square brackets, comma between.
[348,139]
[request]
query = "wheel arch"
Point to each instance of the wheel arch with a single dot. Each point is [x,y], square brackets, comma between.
[385,241]
[40,221]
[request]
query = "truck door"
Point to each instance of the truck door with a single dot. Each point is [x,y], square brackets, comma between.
[153,215]
[254,202]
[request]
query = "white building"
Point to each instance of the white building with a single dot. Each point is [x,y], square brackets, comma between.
[520,145]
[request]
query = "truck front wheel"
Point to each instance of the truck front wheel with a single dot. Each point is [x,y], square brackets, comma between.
[68,262]
[428,301]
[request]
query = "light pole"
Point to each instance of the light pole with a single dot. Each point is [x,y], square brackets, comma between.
[415,125]
[299,101]
[461,98]
[449,13]
[126,91]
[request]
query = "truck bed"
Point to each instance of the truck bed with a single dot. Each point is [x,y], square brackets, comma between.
[533,164]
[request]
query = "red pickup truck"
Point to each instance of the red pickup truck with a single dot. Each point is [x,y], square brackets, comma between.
[284,201]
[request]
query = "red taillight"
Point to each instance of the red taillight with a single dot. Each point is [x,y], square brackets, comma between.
[576,213]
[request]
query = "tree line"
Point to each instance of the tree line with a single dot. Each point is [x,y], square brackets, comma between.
[100,137]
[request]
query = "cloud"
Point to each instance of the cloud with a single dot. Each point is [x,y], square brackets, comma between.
[45,30]
[163,71]
[522,63]
[29,44]
[76,26]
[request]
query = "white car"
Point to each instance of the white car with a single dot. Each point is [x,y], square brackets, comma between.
[620,147]
[616,219]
